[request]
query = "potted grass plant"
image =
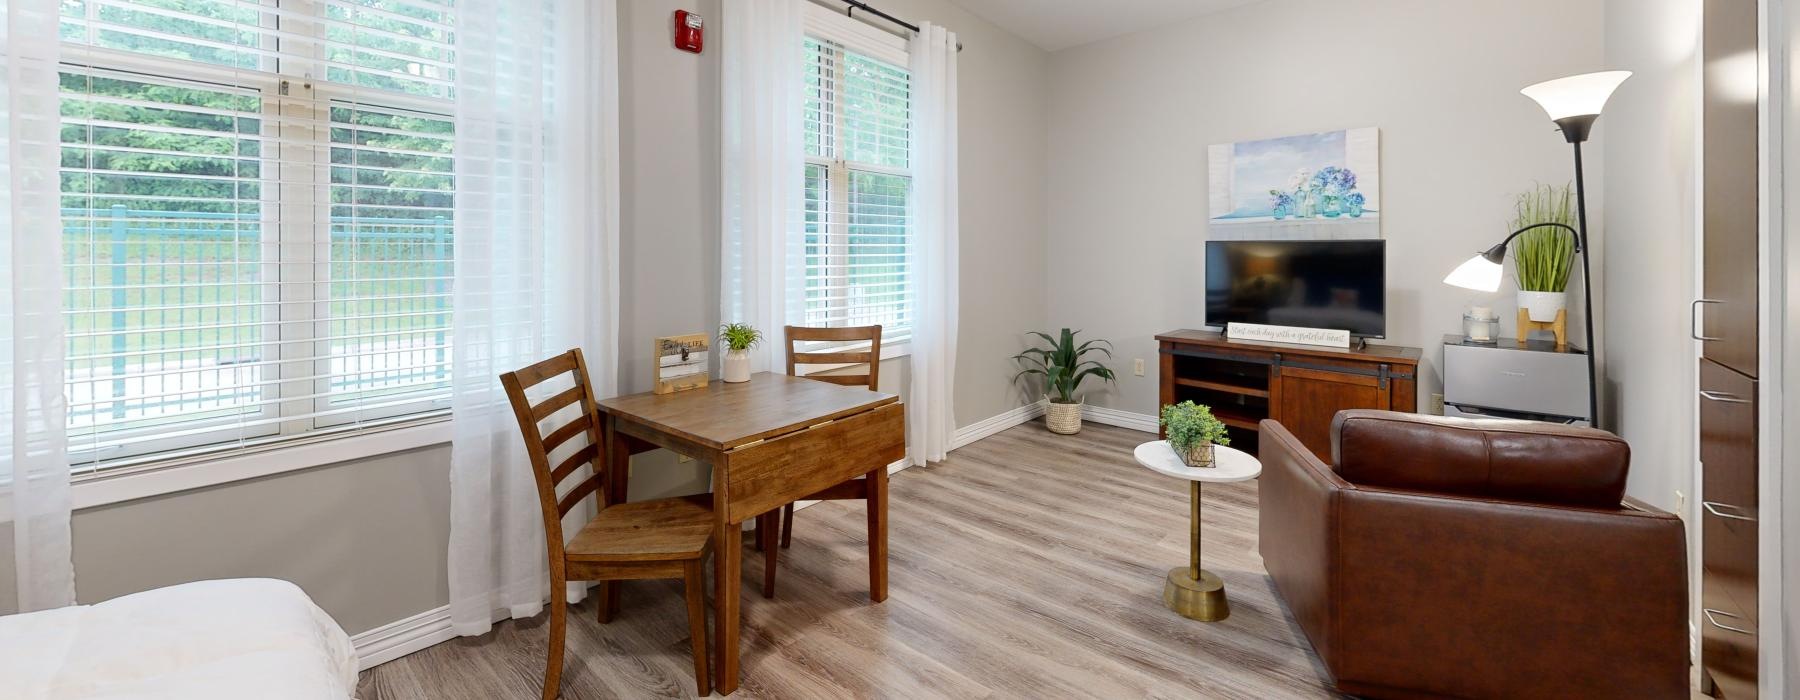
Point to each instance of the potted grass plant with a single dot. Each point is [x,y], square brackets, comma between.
[1193,430]
[1543,258]
[738,338]
[1063,368]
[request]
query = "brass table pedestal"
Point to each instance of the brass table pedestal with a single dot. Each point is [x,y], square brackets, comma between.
[1193,592]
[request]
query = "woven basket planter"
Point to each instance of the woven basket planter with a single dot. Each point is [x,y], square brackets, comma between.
[1063,418]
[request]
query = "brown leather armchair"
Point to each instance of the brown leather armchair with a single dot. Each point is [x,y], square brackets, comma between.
[1444,557]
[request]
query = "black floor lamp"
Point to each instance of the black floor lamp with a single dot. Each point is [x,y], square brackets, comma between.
[1573,103]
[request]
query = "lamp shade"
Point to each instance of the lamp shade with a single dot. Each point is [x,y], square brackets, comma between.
[1577,95]
[1479,274]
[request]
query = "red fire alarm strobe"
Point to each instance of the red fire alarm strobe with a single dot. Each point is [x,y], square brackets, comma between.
[688,34]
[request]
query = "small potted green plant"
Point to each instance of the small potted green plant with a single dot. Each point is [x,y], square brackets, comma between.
[1193,431]
[738,338]
[1063,369]
[1543,258]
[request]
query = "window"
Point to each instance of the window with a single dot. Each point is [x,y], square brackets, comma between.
[257,220]
[857,237]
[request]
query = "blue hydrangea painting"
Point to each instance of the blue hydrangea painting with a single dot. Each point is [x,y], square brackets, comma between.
[1307,187]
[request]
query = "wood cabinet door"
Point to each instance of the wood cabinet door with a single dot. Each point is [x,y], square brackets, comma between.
[1729,229]
[1305,400]
[1728,584]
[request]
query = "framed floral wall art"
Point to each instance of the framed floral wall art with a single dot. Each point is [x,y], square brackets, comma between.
[1323,186]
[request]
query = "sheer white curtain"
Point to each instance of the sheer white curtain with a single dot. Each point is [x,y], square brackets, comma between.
[536,239]
[34,462]
[763,167]
[930,422]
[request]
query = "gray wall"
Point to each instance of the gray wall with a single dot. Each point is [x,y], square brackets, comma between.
[1130,119]
[1788,319]
[1650,164]
[367,538]
[1651,157]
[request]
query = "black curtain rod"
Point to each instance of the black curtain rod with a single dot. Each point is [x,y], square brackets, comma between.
[855,5]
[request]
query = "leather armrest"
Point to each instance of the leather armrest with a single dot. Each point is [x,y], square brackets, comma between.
[1554,591]
[1297,503]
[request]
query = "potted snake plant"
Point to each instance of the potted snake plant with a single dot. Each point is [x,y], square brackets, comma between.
[1063,368]
[738,338]
[1193,430]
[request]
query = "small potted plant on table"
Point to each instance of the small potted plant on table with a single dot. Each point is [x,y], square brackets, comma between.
[1192,433]
[738,338]
[1062,368]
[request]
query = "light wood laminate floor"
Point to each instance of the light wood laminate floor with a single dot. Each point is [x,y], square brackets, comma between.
[1027,565]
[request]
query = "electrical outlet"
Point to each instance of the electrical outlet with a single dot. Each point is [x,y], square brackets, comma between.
[1680,503]
[1137,367]
[1437,404]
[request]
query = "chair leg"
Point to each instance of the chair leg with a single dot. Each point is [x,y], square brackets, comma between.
[601,597]
[787,526]
[612,599]
[766,525]
[559,609]
[694,575]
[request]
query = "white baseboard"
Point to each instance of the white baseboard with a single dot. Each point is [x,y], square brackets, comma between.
[401,637]
[1123,419]
[984,428]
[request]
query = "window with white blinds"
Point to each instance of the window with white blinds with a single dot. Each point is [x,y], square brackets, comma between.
[857,236]
[257,220]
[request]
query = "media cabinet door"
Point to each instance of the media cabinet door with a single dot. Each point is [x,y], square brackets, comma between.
[1305,400]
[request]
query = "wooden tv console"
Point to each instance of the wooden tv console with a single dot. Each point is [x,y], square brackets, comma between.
[1301,386]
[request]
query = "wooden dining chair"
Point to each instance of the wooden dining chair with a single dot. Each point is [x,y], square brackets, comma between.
[663,538]
[857,488]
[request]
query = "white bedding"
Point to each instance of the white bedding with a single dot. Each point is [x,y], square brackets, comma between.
[235,638]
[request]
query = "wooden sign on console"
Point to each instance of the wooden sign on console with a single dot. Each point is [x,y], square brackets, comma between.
[1288,334]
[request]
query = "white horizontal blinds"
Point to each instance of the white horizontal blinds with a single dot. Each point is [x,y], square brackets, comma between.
[876,112]
[858,240]
[253,253]
[391,210]
[820,106]
[163,246]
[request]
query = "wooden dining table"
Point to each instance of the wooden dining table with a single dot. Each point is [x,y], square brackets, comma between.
[771,441]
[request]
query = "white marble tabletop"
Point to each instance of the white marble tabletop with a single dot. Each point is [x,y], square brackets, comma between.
[1232,465]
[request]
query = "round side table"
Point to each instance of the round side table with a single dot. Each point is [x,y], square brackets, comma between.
[1191,591]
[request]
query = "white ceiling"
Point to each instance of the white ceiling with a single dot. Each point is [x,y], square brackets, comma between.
[1059,24]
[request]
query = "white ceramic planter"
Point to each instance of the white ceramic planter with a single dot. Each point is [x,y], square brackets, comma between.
[737,366]
[1542,306]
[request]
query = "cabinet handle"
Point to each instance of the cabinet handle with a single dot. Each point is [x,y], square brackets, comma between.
[1722,397]
[1718,509]
[1694,320]
[1709,612]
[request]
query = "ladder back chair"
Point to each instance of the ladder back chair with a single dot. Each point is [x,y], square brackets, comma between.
[664,538]
[857,488]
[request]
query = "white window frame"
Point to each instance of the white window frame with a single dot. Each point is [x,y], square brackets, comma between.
[827,26]
[299,210]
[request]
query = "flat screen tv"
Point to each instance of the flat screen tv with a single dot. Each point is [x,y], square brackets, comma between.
[1341,285]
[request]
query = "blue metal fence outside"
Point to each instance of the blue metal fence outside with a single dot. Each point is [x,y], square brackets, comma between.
[190,242]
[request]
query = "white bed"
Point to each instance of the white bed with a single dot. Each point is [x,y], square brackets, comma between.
[235,638]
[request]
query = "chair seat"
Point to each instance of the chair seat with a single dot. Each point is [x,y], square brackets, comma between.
[666,529]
